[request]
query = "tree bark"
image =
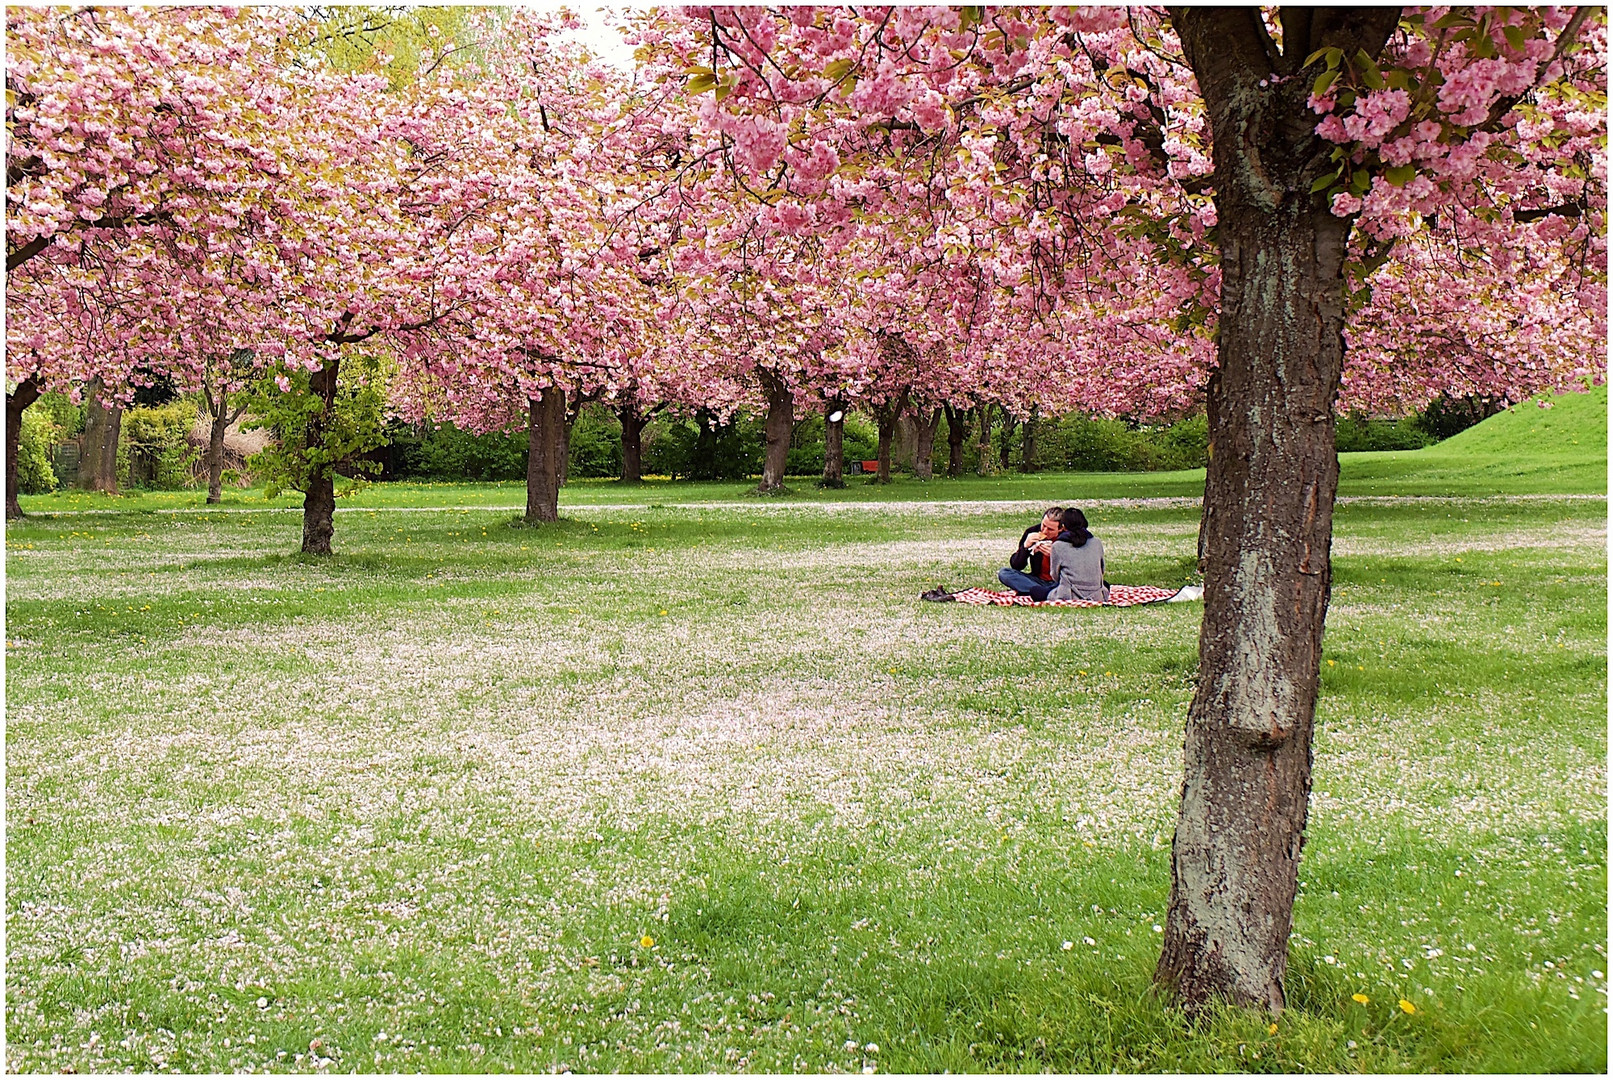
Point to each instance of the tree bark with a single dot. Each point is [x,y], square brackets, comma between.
[218,411]
[924,444]
[1269,511]
[319,497]
[632,443]
[545,441]
[563,459]
[780,425]
[957,429]
[98,457]
[983,466]
[1006,442]
[834,446]
[1027,443]
[885,416]
[26,393]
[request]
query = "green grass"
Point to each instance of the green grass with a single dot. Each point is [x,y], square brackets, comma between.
[425,799]
[1562,449]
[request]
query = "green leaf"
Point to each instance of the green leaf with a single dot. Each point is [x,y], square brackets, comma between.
[1371,77]
[1455,18]
[1360,182]
[838,69]
[1324,82]
[1514,35]
[1484,48]
[1333,57]
[1322,183]
[1400,175]
[699,84]
[970,16]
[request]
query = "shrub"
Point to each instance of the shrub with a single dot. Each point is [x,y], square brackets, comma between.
[596,444]
[153,451]
[39,435]
[701,449]
[1356,433]
[445,453]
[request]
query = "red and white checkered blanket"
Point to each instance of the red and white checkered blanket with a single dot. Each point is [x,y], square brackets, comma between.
[1119,596]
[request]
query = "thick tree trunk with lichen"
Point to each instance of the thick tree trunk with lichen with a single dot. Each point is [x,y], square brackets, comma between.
[778,428]
[1268,510]
[26,393]
[546,447]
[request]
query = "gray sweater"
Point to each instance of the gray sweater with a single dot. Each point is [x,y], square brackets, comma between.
[1078,571]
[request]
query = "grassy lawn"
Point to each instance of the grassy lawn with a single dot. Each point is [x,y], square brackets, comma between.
[685,787]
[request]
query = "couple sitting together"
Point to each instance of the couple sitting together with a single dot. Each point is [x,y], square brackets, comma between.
[1059,559]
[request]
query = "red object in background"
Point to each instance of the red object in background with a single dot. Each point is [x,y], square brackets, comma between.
[870,466]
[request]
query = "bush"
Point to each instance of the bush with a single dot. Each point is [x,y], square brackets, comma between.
[1356,433]
[39,435]
[596,444]
[447,454]
[700,449]
[153,451]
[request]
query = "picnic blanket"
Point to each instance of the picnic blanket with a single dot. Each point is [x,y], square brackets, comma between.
[1119,596]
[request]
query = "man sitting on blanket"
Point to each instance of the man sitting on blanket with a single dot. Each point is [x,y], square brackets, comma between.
[1034,554]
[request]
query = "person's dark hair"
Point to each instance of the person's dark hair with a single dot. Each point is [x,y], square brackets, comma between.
[1075,523]
[1053,512]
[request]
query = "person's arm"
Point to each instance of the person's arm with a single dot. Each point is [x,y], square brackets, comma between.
[1022,555]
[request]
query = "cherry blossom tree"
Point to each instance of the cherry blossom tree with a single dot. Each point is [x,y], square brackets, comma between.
[1240,180]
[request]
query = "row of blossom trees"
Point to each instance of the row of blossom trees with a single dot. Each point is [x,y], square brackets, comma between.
[1267,213]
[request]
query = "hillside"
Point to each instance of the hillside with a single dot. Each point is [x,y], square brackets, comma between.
[1525,450]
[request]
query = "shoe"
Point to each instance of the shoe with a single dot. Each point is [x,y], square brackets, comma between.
[937,595]
[1186,593]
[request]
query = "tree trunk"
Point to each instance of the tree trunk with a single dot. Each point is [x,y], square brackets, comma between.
[26,393]
[924,444]
[563,460]
[834,446]
[1006,442]
[319,497]
[545,442]
[779,427]
[885,416]
[957,428]
[1027,444]
[632,443]
[98,456]
[983,466]
[1268,510]
[219,412]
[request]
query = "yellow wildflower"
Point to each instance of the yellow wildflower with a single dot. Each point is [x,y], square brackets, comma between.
[1406,1006]
[1361,998]
[646,942]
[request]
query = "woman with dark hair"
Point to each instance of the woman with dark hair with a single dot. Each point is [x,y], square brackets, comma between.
[1077,561]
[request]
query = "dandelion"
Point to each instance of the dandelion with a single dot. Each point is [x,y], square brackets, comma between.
[1272,1030]
[1360,998]
[1407,1007]
[646,942]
